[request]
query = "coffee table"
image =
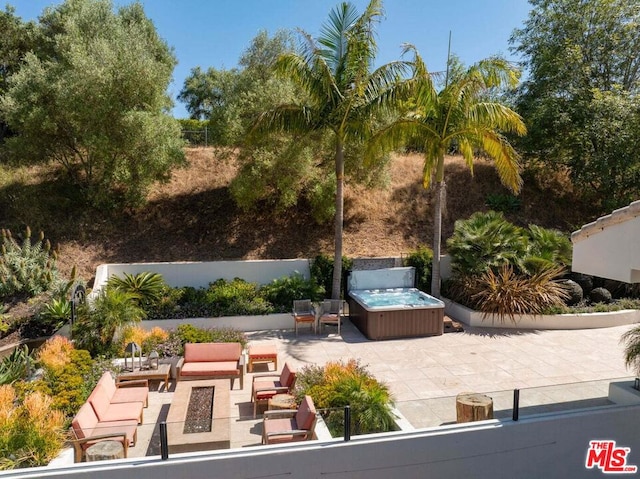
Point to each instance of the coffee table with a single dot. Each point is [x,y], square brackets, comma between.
[162,373]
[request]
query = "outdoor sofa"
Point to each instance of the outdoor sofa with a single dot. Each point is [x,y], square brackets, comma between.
[212,361]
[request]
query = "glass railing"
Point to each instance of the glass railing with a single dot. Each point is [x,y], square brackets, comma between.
[234,426]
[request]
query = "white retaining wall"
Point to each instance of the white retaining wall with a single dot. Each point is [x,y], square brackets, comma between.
[550,446]
[200,274]
[556,321]
[241,323]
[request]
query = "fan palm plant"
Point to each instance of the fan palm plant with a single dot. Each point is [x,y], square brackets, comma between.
[632,348]
[463,115]
[485,241]
[342,93]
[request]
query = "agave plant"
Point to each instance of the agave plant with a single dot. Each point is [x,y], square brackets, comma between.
[57,311]
[15,366]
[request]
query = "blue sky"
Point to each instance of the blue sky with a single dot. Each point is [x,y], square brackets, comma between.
[214,33]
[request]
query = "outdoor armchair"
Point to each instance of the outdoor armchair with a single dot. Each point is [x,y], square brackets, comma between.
[289,425]
[267,385]
[331,313]
[304,312]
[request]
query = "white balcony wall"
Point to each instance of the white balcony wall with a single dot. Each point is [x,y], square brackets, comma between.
[550,446]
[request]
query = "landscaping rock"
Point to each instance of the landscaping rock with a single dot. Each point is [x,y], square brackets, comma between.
[600,295]
[575,292]
[585,281]
[621,290]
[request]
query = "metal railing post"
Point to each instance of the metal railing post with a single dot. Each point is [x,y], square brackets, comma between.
[164,443]
[347,423]
[516,404]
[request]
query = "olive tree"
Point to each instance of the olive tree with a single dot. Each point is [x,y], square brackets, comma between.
[580,98]
[93,98]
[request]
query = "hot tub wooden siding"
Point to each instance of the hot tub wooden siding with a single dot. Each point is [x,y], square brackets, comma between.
[396,323]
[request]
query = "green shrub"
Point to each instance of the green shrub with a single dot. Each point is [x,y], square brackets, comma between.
[282,292]
[187,333]
[97,324]
[338,384]
[70,384]
[28,268]
[237,297]
[505,203]
[322,272]
[168,305]
[421,260]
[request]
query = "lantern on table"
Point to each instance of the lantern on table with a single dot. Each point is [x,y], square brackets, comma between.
[130,350]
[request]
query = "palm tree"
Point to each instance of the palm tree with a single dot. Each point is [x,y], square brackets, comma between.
[342,93]
[463,115]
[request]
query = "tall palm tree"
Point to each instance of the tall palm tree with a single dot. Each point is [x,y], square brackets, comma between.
[343,94]
[463,115]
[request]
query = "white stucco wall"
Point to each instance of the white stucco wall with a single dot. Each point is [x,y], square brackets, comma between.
[610,247]
[200,274]
[542,321]
[549,446]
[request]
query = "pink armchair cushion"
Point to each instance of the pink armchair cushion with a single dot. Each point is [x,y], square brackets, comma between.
[212,352]
[85,421]
[287,376]
[107,382]
[282,425]
[122,394]
[85,424]
[214,368]
[106,411]
[306,414]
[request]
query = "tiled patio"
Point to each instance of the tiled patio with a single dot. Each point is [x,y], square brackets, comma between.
[572,368]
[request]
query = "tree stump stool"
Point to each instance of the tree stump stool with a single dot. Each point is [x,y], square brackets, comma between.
[473,407]
[104,450]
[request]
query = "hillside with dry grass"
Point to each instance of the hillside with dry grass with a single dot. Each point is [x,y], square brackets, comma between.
[194,218]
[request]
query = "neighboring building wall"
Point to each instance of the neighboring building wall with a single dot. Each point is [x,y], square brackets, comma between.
[610,247]
[548,446]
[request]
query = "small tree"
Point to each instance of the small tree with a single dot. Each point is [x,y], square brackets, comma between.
[93,98]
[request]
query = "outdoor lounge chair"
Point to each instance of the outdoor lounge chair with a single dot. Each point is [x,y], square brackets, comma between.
[331,313]
[289,425]
[303,312]
[267,385]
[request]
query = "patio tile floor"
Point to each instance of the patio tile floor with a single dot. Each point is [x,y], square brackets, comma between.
[555,370]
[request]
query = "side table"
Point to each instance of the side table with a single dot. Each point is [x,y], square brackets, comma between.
[263,353]
[103,450]
[282,401]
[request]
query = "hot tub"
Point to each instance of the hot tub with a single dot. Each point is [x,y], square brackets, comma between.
[396,313]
